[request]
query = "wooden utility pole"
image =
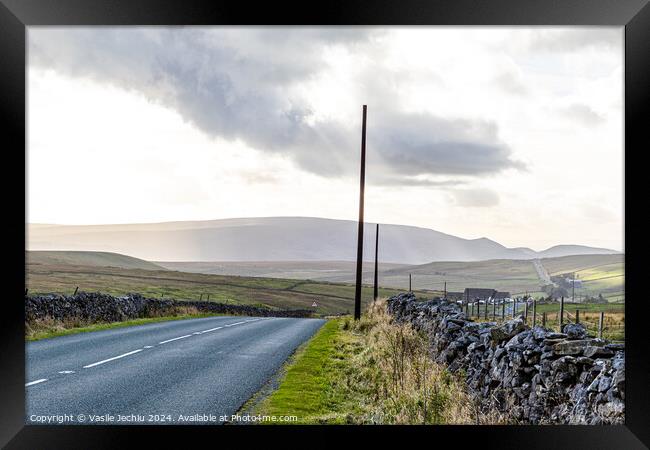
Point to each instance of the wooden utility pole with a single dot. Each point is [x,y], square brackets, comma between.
[362,182]
[410,290]
[600,325]
[573,289]
[376,290]
[445,290]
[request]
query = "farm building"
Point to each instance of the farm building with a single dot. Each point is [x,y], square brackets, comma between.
[473,294]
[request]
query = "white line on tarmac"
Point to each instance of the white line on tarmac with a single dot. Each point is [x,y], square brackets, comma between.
[66,371]
[35,382]
[175,339]
[233,324]
[211,329]
[148,346]
[113,358]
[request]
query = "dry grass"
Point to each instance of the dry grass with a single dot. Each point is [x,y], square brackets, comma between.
[398,382]
[50,327]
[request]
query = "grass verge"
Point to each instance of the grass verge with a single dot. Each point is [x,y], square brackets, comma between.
[45,329]
[372,371]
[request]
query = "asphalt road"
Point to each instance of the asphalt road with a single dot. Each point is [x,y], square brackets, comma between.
[197,370]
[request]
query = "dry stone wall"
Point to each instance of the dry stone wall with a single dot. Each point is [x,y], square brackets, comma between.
[96,307]
[534,376]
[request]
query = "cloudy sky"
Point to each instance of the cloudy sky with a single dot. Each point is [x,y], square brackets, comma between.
[515,134]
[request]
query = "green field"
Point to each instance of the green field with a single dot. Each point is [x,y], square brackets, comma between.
[600,274]
[332,298]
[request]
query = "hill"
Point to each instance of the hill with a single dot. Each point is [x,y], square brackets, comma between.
[331,298]
[276,239]
[600,273]
[94,259]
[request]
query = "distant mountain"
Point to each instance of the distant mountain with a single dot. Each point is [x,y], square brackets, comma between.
[566,250]
[277,239]
[99,259]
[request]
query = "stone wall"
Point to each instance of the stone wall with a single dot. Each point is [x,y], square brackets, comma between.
[95,307]
[533,376]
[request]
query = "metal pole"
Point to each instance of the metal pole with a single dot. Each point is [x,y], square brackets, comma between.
[544,319]
[514,307]
[410,290]
[445,290]
[76,290]
[503,309]
[561,312]
[577,316]
[478,309]
[486,310]
[600,325]
[472,310]
[494,309]
[362,182]
[376,290]
[534,312]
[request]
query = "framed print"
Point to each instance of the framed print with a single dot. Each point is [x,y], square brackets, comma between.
[381,219]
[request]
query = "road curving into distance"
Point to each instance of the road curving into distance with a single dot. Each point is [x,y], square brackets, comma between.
[177,372]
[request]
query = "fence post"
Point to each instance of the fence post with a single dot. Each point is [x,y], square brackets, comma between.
[561,312]
[208,297]
[486,310]
[544,319]
[472,314]
[526,312]
[201,298]
[600,325]
[76,290]
[494,309]
[577,316]
[514,307]
[478,309]
[503,309]
[534,312]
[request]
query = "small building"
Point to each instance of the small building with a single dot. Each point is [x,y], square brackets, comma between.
[479,294]
[502,296]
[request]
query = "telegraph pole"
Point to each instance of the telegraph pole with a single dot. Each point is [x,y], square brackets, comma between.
[573,289]
[376,292]
[362,182]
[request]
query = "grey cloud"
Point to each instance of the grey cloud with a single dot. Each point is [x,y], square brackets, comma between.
[511,83]
[575,39]
[475,197]
[240,83]
[583,113]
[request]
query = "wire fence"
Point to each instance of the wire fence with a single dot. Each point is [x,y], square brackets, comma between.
[608,325]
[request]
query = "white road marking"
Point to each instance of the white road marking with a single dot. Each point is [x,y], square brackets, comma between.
[66,371]
[175,339]
[35,382]
[113,358]
[211,329]
[197,332]
[148,346]
[233,324]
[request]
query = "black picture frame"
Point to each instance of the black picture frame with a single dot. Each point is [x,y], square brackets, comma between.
[16,15]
